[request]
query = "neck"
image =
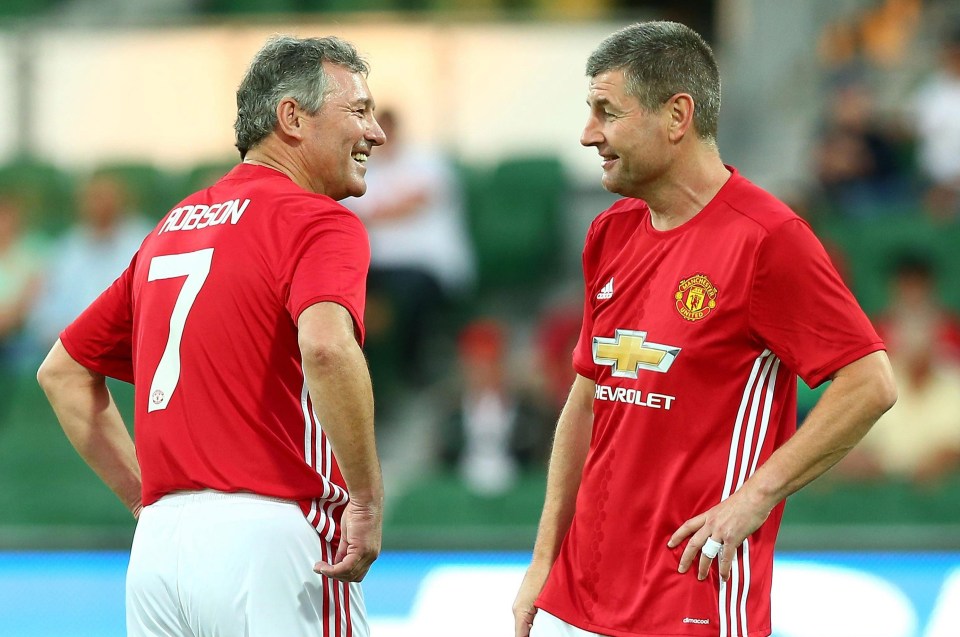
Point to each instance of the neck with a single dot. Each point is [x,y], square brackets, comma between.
[280,158]
[686,188]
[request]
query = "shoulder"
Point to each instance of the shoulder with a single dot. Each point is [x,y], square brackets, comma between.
[757,205]
[272,189]
[306,209]
[754,206]
[623,212]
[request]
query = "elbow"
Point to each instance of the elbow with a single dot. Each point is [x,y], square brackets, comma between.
[59,370]
[45,376]
[49,373]
[887,395]
[884,394]
[324,354]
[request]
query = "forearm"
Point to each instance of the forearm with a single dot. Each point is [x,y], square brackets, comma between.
[857,397]
[570,446]
[91,421]
[340,388]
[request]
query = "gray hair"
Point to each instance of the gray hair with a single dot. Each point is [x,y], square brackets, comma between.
[660,59]
[287,67]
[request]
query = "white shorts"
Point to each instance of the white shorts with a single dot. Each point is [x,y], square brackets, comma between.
[547,625]
[212,564]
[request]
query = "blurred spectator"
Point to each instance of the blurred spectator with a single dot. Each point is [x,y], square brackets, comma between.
[88,257]
[493,429]
[915,309]
[21,264]
[919,438]
[857,157]
[421,257]
[556,335]
[937,116]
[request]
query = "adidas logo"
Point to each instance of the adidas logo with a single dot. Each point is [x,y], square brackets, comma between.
[606,292]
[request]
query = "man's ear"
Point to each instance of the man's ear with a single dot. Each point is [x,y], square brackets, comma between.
[681,108]
[290,118]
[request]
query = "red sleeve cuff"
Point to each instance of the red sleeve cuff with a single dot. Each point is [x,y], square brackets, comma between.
[814,379]
[100,366]
[358,327]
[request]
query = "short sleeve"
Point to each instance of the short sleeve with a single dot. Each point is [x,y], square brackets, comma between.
[801,310]
[101,338]
[333,265]
[583,352]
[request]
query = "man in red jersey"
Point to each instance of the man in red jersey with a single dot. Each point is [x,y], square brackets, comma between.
[705,297]
[239,322]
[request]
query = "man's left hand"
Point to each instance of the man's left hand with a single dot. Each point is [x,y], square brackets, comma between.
[360,537]
[728,523]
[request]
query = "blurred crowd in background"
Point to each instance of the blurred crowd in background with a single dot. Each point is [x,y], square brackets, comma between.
[472,318]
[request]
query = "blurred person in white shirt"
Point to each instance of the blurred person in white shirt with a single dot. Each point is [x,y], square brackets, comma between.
[89,256]
[937,117]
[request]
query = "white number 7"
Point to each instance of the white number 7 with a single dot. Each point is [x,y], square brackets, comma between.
[195,266]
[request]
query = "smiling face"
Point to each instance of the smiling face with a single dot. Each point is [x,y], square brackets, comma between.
[633,142]
[341,135]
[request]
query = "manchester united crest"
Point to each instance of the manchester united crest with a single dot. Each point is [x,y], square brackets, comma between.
[696,297]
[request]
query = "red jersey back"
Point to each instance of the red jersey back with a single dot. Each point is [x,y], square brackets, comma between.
[204,323]
[694,337]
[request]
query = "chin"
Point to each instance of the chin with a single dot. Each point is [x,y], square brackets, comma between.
[612,185]
[349,190]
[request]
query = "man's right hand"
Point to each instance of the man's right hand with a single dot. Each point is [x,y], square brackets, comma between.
[523,608]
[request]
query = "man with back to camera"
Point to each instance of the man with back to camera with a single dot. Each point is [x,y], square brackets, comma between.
[239,322]
[705,297]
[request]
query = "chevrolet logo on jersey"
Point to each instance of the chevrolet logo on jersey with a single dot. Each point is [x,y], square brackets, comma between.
[628,352]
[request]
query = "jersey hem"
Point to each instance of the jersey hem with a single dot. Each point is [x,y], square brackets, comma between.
[613,632]
[339,300]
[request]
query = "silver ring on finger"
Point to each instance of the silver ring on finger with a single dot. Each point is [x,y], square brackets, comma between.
[711,548]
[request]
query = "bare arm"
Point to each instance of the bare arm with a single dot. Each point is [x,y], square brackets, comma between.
[570,446]
[339,384]
[93,424]
[860,393]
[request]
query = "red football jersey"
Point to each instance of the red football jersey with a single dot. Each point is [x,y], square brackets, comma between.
[204,324]
[694,337]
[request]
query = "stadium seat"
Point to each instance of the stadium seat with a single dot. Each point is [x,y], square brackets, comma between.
[205,175]
[45,480]
[350,6]
[24,8]
[152,190]
[438,511]
[235,7]
[827,502]
[515,221]
[45,191]
[869,247]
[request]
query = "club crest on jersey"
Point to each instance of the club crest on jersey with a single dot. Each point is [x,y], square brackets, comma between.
[696,297]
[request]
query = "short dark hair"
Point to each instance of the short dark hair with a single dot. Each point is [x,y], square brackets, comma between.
[660,59]
[287,67]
